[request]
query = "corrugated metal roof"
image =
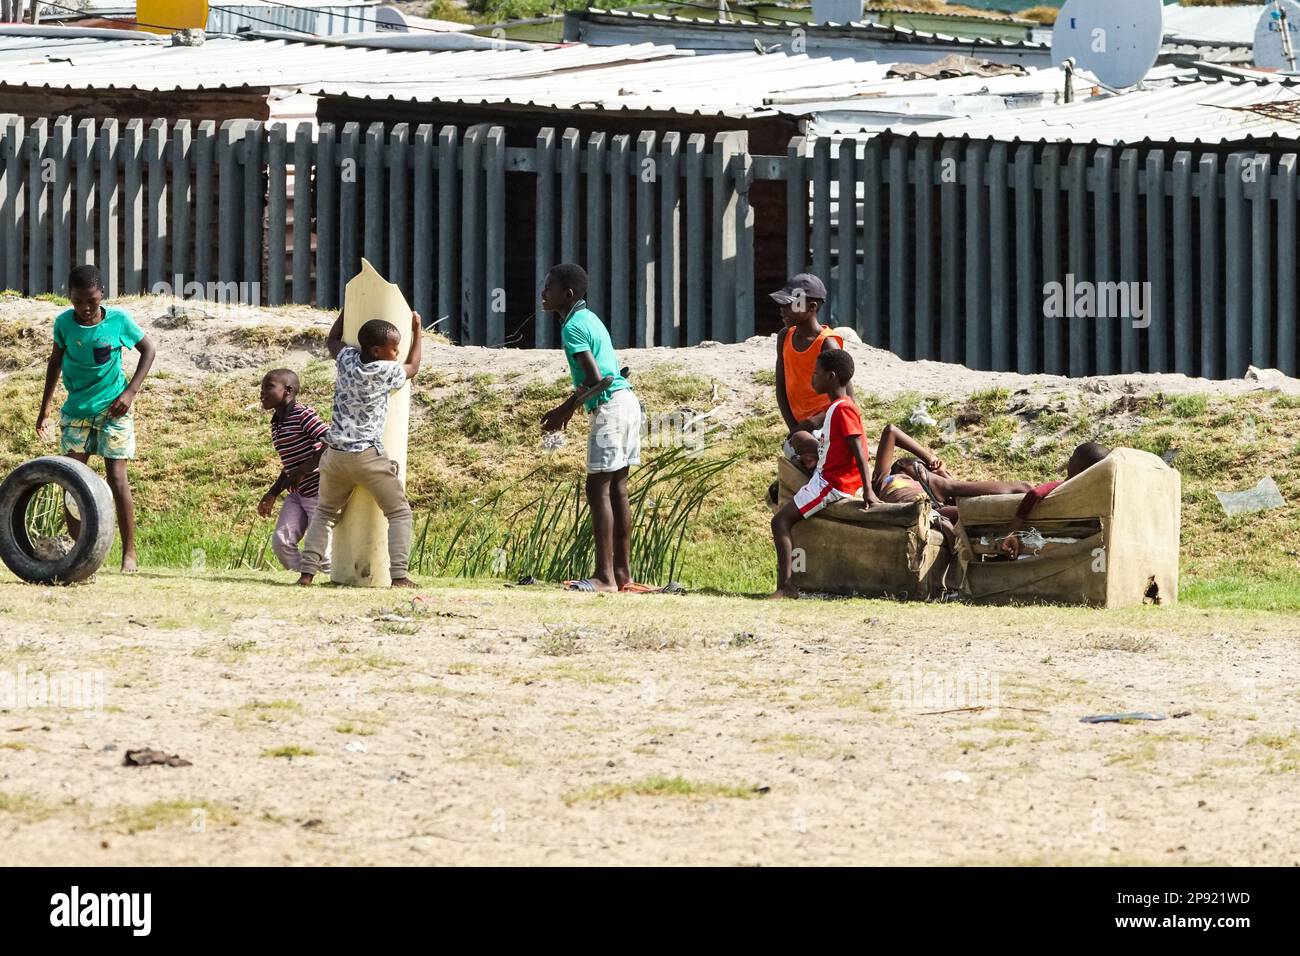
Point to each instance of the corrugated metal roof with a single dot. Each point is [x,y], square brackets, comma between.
[146,63]
[1200,111]
[1222,26]
[595,23]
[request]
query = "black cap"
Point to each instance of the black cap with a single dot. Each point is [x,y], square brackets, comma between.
[805,285]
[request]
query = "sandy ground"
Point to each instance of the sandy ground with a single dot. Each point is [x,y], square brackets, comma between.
[518,725]
[496,725]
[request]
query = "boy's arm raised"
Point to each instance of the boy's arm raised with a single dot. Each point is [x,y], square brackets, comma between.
[413,357]
[334,341]
[52,369]
[122,404]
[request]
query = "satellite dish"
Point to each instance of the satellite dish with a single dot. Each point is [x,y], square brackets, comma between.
[391,19]
[1277,37]
[1117,41]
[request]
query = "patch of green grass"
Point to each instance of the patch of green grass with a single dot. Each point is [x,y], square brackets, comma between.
[165,814]
[289,750]
[659,786]
[272,337]
[24,808]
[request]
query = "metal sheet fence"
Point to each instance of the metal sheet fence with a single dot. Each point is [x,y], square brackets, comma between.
[1043,257]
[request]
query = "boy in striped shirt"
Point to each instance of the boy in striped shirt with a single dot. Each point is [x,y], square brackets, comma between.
[297,433]
[841,463]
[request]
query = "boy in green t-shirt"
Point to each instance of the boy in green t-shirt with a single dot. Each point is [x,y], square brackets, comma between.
[96,419]
[615,441]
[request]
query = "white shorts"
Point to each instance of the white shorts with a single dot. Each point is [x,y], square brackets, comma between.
[816,495]
[615,440]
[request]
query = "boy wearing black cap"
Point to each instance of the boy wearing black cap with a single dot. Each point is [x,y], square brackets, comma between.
[798,346]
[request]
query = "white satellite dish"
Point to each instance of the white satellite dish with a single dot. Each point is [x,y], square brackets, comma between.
[390,19]
[1118,41]
[1277,37]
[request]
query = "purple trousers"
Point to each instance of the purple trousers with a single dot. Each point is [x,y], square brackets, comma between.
[295,516]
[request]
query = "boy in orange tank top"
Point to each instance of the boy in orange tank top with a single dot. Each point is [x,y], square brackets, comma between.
[798,346]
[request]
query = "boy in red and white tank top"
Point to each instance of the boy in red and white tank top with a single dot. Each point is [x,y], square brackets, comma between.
[841,463]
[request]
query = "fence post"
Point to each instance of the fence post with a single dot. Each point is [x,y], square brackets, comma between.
[349,221]
[38,208]
[399,209]
[303,186]
[796,208]
[205,143]
[1286,259]
[422,225]
[977,263]
[494,275]
[619,319]
[254,211]
[1185,271]
[544,237]
[725,211]
[1053,358]
[1130,271]
[61,206]
[1211,314]
[1157,307]
[1104,255]
[327,217]
[744,170]
[448,217]
[670,225]
[373,203]
[900,269]
[180,194]
[1029,292]
[999,262]
[471,237]
[647,174]
[1236,272]
[156,214]
[1076,326]
[133,208]
[821,183]
[846,252]
[924,251]
[1261,285]
[871,291]
[83,158]
[695,239]
[229,192]
[597,215]
[12,215]
[277,211]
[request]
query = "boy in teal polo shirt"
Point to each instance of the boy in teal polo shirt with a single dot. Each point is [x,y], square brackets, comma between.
[614,444]
[96,419]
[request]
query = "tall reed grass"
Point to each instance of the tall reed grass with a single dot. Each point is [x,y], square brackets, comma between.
[549,537]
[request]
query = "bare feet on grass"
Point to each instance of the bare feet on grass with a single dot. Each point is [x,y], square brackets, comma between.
[129,565]
[403,583]
[304,580]
[781,593]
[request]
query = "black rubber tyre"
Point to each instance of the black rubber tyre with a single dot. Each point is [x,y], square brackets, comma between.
[94,504]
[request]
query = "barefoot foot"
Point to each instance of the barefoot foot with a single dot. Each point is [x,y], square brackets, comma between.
[304,580]
[403,583]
